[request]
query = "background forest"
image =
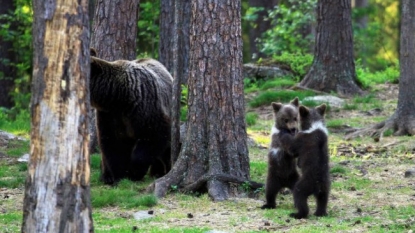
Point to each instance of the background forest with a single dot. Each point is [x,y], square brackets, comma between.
[286,36]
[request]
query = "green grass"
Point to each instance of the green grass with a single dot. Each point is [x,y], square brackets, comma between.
[369,79]
[284,96]
[18,125]
[260,85]
[251,118]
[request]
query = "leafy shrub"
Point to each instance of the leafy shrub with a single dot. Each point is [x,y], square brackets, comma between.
[283,96]
[290,21]
[298,63]
[368,79]
[18,30]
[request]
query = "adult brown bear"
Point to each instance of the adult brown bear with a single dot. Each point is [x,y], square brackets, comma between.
[132,102]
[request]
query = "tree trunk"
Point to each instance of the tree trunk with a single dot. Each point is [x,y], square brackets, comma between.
[215,140]
[7,57]
[333,68]
[261,24]
[174,54]
[362,20]
[170,52]
[114,37]
[402,122]
[115,29]
[404,117]
[57,192]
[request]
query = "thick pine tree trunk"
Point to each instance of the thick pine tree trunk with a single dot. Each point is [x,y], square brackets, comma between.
[114,30]
[57,192]
[402,122]
[215,146]
[114,36]
[333,68]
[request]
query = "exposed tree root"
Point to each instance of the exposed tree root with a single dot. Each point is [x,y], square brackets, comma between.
[399,125]
[220,177]
[161,186]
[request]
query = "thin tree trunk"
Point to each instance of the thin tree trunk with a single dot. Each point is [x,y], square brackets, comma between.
[405,122]
[215,140]
[114,37]
[261,24]
[333,68]
[7,57]
[57,192]
[174,52]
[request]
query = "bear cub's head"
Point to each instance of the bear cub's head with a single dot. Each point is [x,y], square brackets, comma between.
[286,116]
[311,118]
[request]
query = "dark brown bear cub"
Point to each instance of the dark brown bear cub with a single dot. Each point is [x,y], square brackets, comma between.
[282,172]
[310,146]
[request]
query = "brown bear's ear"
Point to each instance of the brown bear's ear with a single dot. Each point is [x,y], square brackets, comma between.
[294,102]
[276,106]
[93,52]
[304,111]
[321,109]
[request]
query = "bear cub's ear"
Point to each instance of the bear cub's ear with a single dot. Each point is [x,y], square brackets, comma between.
[92,52]
[304,111]
[321,109]
[295,102]
[276,106]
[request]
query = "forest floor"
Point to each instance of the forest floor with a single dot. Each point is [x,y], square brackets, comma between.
[370,191]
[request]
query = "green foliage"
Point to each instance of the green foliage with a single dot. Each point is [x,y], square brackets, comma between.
[283,96]
[298,63]
[369,79]
[18,30]
[148,28]
[377,43]
[16,124]
[289,33]
[251,118]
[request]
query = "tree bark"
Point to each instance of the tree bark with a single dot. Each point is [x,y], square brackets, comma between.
[402,122]
[7,58]
[114,37]
[333,68]
[175,22]
[174,54]
[215,140]
[57,192]
[115,29]
[261,24]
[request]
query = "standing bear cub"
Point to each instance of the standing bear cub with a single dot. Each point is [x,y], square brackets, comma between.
[310,146]
[132,102]
[282,172]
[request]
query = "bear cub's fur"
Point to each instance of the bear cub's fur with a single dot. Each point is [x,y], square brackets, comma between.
[310,146]
[282,172]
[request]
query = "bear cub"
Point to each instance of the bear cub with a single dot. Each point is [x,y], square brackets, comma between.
[310,146]
[282,172]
